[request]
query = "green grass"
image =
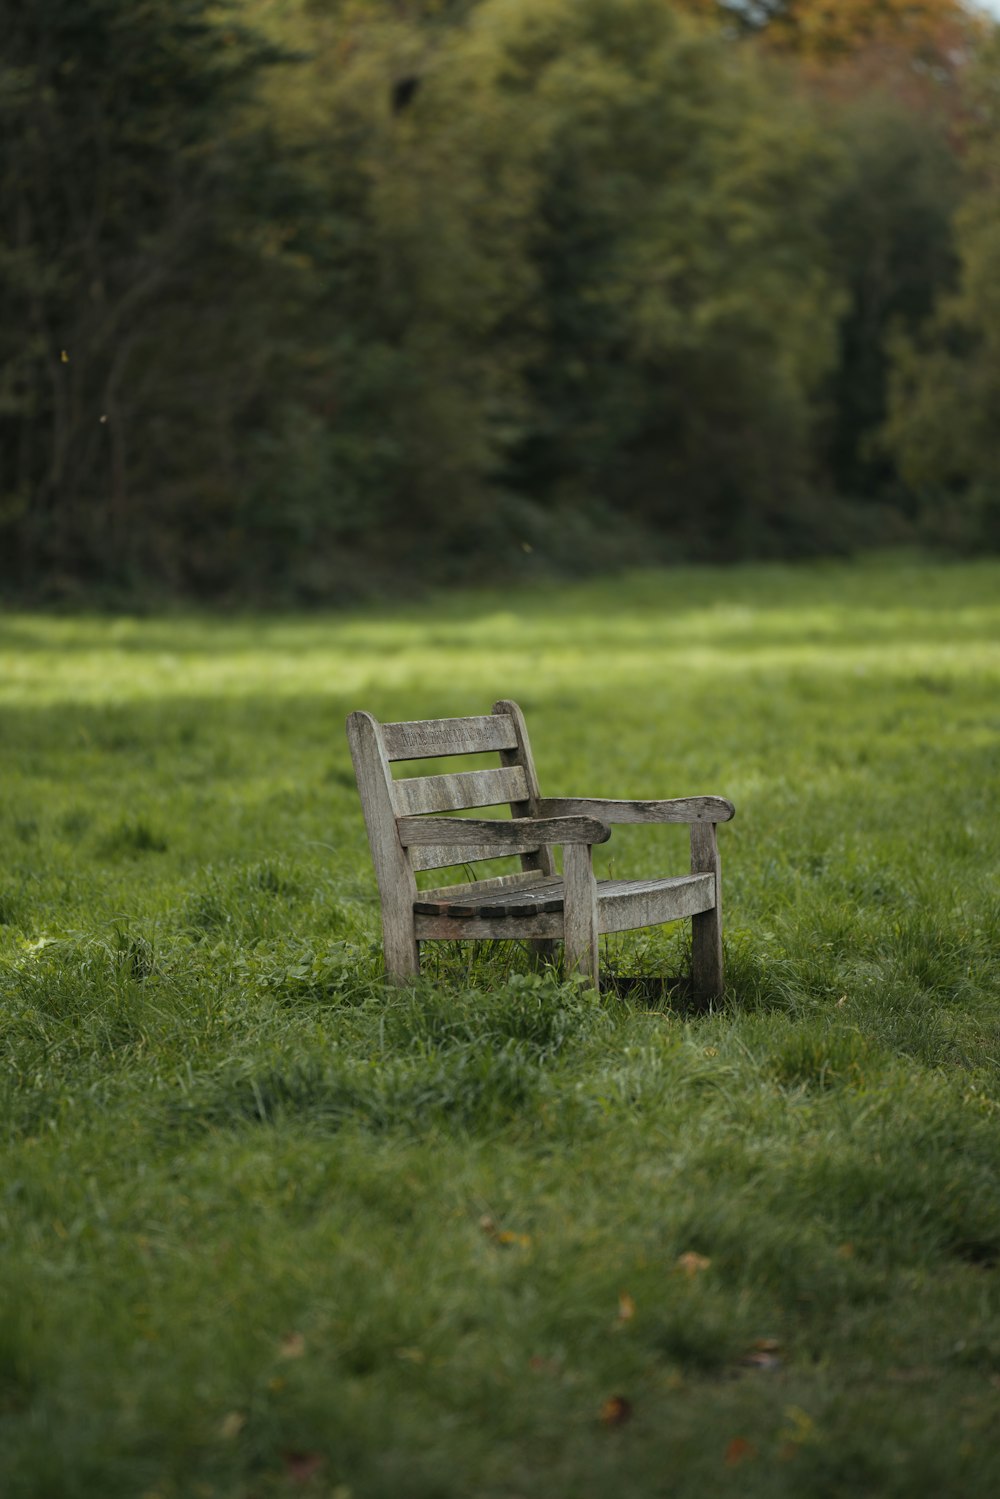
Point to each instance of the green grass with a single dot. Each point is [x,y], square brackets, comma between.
[267,1227]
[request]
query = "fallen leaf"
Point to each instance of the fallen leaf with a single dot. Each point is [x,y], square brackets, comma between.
[626,1307]
[231,1425]
[692,1263]
[739,1451]
[293,1345]
[802,1428]
[767,1345]
[761,1359]
[916,1375]
[301,1466]
[502,1235]
[616,1410]
[64,356]
[845,1252]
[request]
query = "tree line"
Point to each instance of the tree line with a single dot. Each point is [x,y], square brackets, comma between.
[299,300]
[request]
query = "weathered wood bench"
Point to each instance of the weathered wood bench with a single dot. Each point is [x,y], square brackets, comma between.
[407,834]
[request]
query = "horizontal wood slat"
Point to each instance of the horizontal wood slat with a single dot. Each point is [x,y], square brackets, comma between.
[623,909]
[630,902]
[455,793]
[466,928]
[444,855]
[460,831]
[471,900]
[678,809]
[424,739]
[523,880]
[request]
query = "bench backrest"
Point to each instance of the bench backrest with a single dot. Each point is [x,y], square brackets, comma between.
[375,747]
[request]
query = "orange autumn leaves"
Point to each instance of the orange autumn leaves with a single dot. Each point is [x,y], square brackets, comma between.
[827,31]
[739,1450]
[503,1236]
[821,30]
[617,1410]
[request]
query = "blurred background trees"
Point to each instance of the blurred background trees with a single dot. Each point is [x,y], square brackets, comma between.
[944,405]
[299,298]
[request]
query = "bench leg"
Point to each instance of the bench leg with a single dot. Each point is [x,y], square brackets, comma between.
[706,928]
[399,943]
[580,928]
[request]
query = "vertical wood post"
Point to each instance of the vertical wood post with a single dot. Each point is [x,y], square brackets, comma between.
[706,928]
[542,858]
[580,927]
[396,881]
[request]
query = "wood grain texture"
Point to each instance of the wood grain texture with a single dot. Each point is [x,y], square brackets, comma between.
[682,809]
[424,739]
[459,831]
[546,927]
[580,926]
[523,879]
[540,858]
[446,855]
[544,894]
[463,789]
[636,903]
[706,928]
[393,870]
[622,904]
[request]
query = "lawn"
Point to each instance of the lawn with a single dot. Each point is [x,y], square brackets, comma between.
[267,1227]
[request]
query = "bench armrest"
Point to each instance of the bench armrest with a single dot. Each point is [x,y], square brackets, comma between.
[414,831]
[680,809]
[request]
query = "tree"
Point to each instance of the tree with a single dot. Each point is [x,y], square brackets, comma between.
[892,237]
[942,426]
[927,31]
[120,144]
[687,314]
[421,199]
[581,267]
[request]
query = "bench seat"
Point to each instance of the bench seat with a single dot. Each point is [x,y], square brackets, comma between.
[661,900]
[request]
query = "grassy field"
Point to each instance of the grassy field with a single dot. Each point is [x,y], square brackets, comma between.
[268,1228]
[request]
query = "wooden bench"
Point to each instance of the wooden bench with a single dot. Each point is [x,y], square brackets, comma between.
[406,834]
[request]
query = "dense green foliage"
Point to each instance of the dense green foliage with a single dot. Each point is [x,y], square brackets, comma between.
[293,298]
[946,395]
[261,1218]
[128,300]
